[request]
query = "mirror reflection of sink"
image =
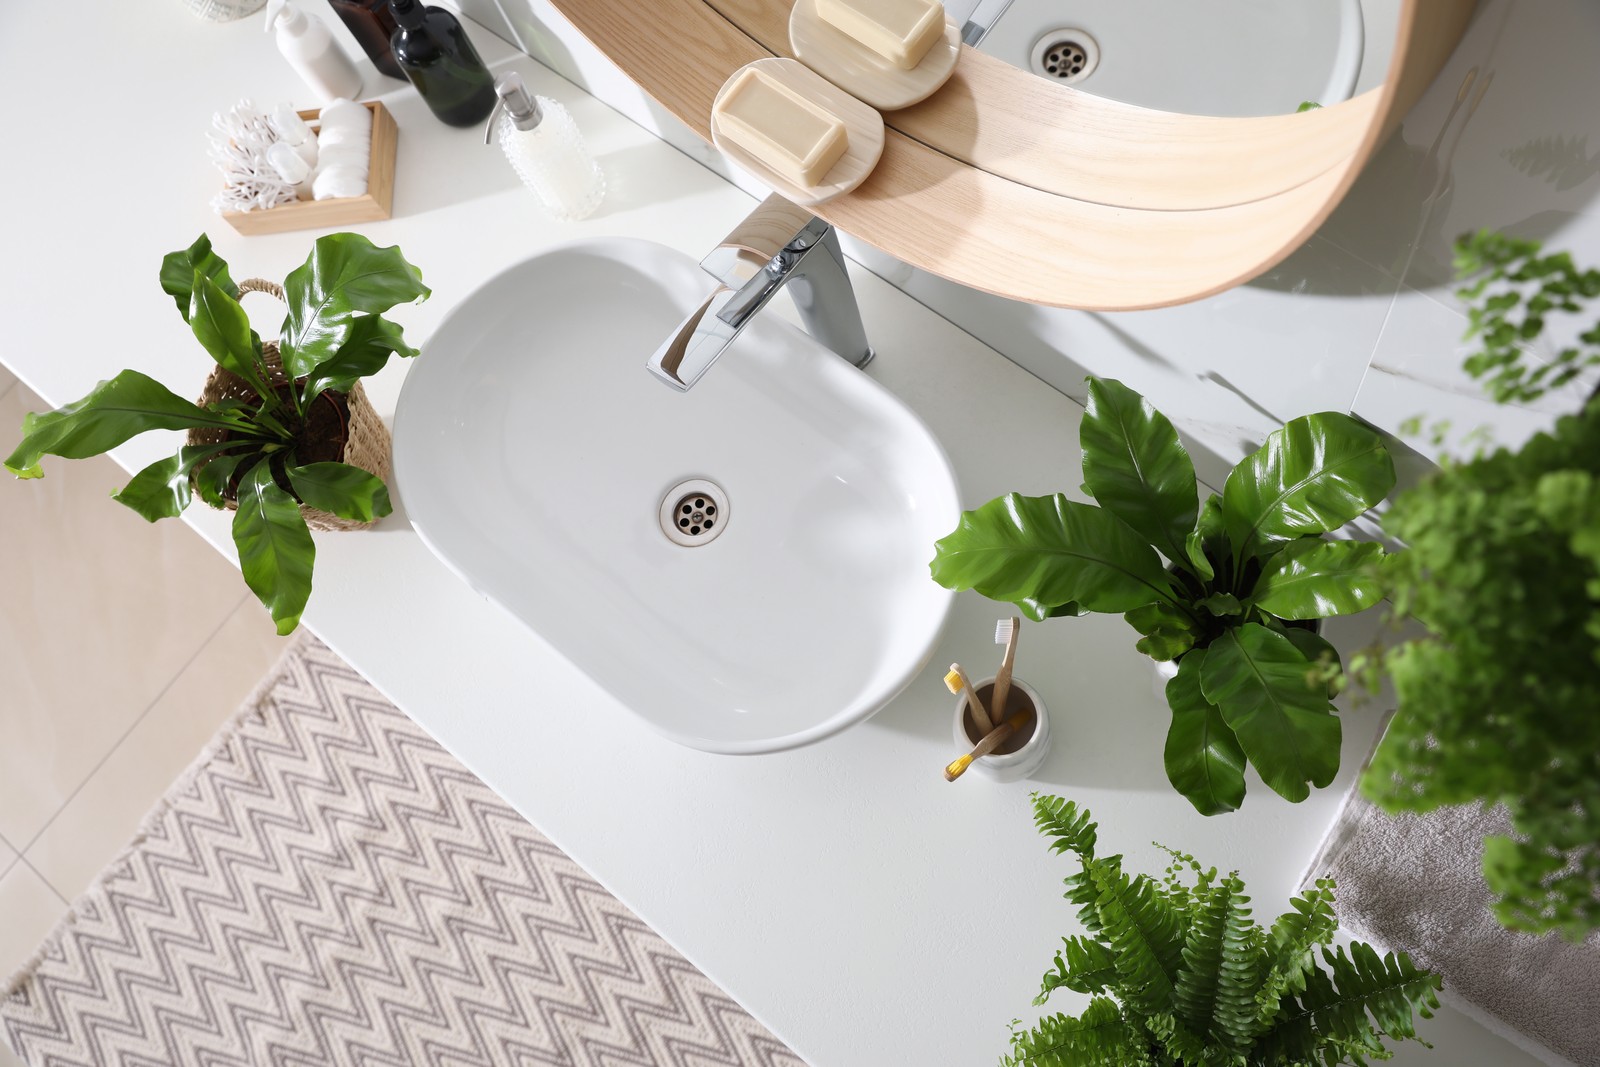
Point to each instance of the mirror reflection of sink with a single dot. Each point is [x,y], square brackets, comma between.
[1221,57]
[538,458]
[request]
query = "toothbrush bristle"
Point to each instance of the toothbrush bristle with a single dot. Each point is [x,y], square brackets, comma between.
[1002,631]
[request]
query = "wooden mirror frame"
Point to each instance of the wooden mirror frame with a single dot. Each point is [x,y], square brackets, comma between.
[1008,183]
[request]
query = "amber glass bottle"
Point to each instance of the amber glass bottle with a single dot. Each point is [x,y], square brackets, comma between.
[436,55]
[370,23]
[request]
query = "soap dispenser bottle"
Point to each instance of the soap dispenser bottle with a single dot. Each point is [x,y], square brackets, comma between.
[438,58]
[312,52]
[546,150]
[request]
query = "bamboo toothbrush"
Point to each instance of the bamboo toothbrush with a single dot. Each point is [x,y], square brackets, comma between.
[1005,633]
[958,682]
[991,741]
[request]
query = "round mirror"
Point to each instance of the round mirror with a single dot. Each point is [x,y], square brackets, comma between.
[1019,181]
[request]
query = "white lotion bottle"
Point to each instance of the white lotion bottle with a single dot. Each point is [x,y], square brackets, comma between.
[546,150]
[311,50]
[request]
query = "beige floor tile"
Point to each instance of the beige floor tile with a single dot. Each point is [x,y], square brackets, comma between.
[29,909]
[7,1057]
[104,815]
[99,612]
[7,380]
[8,856]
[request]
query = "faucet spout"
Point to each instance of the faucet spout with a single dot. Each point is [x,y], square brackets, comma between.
[779,246]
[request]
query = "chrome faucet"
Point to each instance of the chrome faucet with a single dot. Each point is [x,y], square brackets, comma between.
[779,246]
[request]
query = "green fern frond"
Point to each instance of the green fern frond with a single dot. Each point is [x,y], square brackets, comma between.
[1292,943]
[1081,891]
[1100,1037]
[1195,992]
[1185,1048]
[1145,932]
[1066,824]
[1236,1018]
[1083,965]
[1365,998]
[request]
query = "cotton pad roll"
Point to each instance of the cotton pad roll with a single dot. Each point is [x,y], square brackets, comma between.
[345,114]
[338,181]
[343,155]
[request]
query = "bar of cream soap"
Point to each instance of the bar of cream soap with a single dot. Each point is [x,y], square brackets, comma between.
[900,31]
[797,138]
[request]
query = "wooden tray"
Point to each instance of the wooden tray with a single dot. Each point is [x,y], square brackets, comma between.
[863,73]
[372,206]
[863,125]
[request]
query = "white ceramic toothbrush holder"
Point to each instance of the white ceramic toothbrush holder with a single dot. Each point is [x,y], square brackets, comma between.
[1021,761]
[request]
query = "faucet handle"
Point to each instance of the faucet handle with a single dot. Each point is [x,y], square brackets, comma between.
[752,244]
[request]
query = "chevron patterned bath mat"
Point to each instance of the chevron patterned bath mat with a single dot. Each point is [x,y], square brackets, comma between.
[329,886]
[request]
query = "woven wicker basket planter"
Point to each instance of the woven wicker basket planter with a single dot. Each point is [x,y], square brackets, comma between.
[366,439]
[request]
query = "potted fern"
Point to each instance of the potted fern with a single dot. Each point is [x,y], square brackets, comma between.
[1227,591]
[1497,702]
[1179,973]
[282,434]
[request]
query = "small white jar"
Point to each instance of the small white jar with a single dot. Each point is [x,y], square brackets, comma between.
[1008,766]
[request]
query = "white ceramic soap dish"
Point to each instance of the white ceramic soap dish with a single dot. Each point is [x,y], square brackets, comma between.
[863,127]
[863,73]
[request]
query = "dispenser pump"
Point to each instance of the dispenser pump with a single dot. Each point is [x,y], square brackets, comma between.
[286,18]
[514,99]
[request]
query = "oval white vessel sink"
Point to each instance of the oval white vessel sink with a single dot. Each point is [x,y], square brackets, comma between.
[534,452]
[1221,57]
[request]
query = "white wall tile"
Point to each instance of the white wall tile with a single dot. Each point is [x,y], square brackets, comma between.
[1416,373]
[1527,159]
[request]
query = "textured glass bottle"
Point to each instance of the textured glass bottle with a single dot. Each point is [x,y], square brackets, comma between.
[438,58]
[546,150]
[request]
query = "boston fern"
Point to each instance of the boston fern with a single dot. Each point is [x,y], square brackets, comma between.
[333,335]
[1239,574]
[1180,976]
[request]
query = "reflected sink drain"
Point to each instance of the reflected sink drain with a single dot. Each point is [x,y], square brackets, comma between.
[694,512]
[1067,55]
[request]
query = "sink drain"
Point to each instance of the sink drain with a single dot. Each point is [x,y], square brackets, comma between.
[694,513]
[1066,55]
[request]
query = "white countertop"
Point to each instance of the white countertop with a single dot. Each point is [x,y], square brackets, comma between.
[868,912]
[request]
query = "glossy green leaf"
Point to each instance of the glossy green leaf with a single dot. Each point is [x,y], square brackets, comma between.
[1051,550]
[276,552]
[1203,757]
[344,275]
[223,330]
[1168,630]
[1222,605]
[161,490]
[1283,721]
[1136,468]
[1207,539]
[1315,648]
[1316,579]
[367,350]
[346,491]
[1039,611]
[211,480]
[179,268]
[118,409]
[1314,475]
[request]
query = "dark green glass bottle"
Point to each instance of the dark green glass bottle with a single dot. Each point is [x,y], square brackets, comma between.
[438,58]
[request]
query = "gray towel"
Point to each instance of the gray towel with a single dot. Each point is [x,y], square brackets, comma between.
[1415,883]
